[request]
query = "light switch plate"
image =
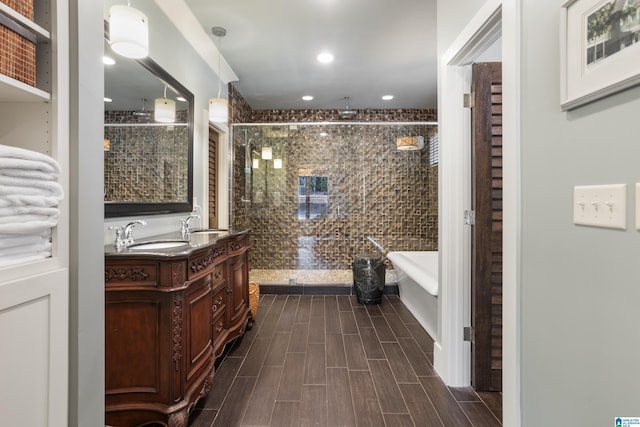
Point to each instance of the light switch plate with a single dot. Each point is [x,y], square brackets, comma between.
[638,205]
[600,205]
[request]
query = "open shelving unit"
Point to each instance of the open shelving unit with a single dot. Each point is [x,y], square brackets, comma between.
[34,296]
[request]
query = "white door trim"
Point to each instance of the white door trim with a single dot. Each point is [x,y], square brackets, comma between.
[495,18]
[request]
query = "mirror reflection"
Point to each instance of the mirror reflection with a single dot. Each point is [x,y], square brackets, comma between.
[147,139]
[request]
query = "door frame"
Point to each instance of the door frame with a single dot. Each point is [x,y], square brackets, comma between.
[451,353]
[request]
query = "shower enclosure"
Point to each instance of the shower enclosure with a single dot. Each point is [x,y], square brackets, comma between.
[312,192]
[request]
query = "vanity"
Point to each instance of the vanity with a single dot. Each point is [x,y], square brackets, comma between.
[171,306]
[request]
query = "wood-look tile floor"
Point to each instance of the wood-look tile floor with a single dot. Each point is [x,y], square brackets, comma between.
[329,361]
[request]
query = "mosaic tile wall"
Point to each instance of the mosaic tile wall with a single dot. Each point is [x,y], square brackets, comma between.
[373,189]
[145,163]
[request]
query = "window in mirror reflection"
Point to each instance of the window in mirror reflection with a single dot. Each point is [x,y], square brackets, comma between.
[313,197]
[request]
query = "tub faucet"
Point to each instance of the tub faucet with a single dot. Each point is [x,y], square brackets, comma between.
[185,228]
[127,231]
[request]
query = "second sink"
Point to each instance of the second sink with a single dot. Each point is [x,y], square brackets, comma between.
[158,245]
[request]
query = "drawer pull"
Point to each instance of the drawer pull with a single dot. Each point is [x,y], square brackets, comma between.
[214,308]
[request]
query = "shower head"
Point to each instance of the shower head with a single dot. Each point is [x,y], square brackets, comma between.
[144,112]
[347,113]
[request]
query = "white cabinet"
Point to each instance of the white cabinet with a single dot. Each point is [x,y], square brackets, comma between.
[34,297]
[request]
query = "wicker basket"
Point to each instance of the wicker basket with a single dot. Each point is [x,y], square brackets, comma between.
[254,298]
[17,52]
[23,7]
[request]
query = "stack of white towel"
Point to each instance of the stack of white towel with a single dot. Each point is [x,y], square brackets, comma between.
[29,197]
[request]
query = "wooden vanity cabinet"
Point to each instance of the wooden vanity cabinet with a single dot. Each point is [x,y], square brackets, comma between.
[166,321]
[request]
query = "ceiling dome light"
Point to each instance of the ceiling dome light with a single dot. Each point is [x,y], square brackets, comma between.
[128,31]
[307,98]
[325,57]
[387,97]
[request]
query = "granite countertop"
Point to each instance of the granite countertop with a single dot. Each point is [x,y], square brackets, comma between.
[197,240]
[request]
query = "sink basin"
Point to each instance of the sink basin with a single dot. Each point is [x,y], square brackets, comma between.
[158,245]
[209,231]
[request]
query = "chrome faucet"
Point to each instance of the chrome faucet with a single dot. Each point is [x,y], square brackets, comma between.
[185,227]
[128,231]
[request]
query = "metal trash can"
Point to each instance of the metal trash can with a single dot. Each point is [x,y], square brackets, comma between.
[368,277]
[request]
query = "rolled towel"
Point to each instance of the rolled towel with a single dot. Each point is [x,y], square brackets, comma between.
[9,200]
[20,158]
[31,227]
[31,187]
[26,218]
[6,211]
[42,245]
[12,241]
[29,173]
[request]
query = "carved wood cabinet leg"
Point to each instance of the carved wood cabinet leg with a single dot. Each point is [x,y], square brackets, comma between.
[179,419]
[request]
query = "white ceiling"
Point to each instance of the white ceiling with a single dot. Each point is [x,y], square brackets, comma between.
[380,46]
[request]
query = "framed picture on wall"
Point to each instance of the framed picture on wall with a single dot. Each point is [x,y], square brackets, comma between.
[600,49]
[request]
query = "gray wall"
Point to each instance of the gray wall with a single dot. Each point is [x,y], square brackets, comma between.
[579,286]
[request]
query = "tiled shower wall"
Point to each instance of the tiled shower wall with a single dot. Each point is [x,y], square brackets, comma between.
[373,189]
[145,162]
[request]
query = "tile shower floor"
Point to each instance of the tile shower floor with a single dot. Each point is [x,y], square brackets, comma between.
[326,360]
[309,277]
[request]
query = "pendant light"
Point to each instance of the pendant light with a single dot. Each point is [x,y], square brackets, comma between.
[165,109]
[128,31]
[219,107]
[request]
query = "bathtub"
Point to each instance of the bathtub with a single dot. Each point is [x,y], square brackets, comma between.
[418,286]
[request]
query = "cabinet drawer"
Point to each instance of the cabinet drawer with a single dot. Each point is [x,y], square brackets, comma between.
[219,304]
[206,259]
[131,275]
[218,275]
[218,328]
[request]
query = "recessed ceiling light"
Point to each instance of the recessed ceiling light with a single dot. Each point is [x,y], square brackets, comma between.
[325,57]
[107,99]
[107,60]
[387,97]
[323,134]
[307,98]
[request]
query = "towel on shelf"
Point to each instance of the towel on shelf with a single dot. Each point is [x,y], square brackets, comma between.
[9,200]
[20,158]
[12,240]
[31,187]
[12,210]
[28,173]
[31,227]
[29,197]
[26,218]
[41,246]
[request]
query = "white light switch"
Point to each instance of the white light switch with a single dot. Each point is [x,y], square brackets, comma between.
[638,205]
[600,205]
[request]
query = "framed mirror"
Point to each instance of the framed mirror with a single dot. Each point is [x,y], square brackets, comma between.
[148,160]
